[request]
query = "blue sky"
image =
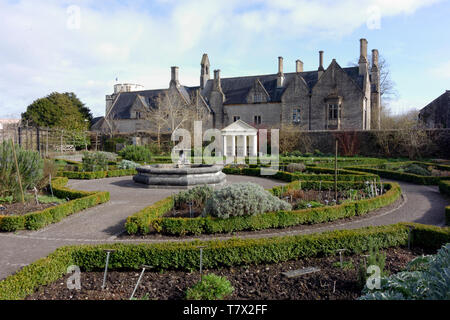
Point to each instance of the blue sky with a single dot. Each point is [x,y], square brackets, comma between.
[46,46]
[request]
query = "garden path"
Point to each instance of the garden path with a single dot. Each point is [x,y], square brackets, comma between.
[103,223]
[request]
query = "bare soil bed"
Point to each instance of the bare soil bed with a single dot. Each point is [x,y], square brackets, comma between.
[19,208]
[250,282]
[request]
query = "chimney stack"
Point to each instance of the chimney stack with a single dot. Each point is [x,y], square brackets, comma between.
[363,63]
[174,77]
[321,69]
[299,66]
[217,84]
[280,75]
[374,58]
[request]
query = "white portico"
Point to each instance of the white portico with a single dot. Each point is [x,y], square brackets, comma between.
[240,139]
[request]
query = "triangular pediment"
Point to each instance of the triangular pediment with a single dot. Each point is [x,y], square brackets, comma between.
[239,126]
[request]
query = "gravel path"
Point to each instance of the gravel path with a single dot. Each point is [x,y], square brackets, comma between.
[103,223]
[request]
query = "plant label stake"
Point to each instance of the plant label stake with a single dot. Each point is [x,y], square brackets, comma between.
[410,228]
[201,262]
[36,195]
[365,256]
[50,184]
[108,252]
[139,280]
[340,256]
[190,203]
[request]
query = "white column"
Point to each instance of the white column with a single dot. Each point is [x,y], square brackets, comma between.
[255,146]
[224,153]
[233,145]
[244,146]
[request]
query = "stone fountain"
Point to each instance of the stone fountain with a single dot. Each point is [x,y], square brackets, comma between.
[180,175]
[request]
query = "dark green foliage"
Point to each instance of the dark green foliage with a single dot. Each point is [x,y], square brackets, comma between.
[97,161]
[136,153]
[212,287]
[30,168]
[444,188]
[416,169]
[57,110]
[97,174]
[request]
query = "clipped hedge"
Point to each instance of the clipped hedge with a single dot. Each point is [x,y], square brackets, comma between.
[233,252]
[150,219]
[78,201]
[97,174]
[444,188]
[402,176]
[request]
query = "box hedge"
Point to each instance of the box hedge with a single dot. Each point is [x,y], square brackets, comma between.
[78,200]
[86,175]
[444,188]
[233,252]
[150,219]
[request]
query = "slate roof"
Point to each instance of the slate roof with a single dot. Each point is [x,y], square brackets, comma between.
[235,89]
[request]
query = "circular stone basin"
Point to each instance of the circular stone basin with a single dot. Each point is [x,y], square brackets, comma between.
[179,176]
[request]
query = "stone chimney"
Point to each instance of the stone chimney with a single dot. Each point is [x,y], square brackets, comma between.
[174,77]
[280,75]
[321,69]
[298,66]
[217,84]
[375,96]
[363,62]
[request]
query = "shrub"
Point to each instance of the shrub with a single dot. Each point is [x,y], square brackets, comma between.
[30,167]
[243,199]
[198,195]
[95,161]
[127,164]
[417,169]
[50,170]
[212,287]
[136,153]
[426,278]
[295,167]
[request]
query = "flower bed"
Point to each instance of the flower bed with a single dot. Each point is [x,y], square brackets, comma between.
[233,252]
[78,201]
[151,219]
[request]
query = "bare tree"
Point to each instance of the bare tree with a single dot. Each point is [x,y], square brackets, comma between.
[172,111]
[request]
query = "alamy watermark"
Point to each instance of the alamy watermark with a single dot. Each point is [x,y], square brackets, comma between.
[226,149]
[374,280]
[73,17]
[74,281]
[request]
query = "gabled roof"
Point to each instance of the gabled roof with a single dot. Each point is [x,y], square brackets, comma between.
[236,89]
[239,126]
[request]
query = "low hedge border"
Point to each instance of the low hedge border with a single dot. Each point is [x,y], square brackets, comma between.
[78,201]
[392,174]
[444,188]
[150,218]
[319,174]
[97,174]
[233,252]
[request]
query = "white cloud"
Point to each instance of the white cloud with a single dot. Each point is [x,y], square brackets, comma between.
[39,54]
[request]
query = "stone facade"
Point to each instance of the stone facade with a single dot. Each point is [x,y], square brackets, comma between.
[437,113]
[332,98]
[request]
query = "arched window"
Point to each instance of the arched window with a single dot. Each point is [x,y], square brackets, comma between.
[296,118]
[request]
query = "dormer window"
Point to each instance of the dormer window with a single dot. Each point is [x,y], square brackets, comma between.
[258,97]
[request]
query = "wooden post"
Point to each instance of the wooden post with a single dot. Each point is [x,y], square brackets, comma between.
[335,171]
[17,170]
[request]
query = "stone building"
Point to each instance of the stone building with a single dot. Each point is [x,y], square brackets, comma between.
[331,98]
[436,114]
